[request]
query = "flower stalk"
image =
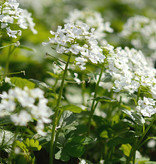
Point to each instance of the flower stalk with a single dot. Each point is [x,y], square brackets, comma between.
[10,51]
[138,144]
[93,106]
[55,121]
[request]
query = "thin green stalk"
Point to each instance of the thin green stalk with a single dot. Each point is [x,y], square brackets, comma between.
[93,102]
[55,121]
[11,50]
[14,73]
[132,152]
[83,90]
[146,131]
[57,133]
[134,147]
[138,144]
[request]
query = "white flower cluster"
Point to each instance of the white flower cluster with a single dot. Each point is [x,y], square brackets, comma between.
[129,69]
[24,106]
[13,19]
[147,106]
[92,19]
[78,40]
[142,31]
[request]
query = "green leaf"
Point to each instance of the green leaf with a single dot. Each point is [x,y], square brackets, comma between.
[104,134]
[73,108]
[118,140]
[21,82]
[115,119]
[27,48]
[21,159]
[88,140]
[62,155]
[22,146]
[33,144]
[136,117]
[75,150]
[75,146]
[40,83]
[104,98]
[5,120]
[53,75]
[154,138]
[58,154]
[126,148]
[67,118]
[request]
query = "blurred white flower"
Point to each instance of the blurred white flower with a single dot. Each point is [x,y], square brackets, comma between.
[78,81]
[141,31]
[24,106]
[151,143]
[146,107]
[21,118]
[93,20]
[82,161]
[13,19]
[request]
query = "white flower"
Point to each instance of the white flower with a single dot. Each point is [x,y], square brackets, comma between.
[142,32]
[93,20]
[21,119]
[11,15]
[151,143]
[78,40]
[7,80]
[129,69]
[78,81]
[23,106]
[13,33]
[146,107]
[6,104]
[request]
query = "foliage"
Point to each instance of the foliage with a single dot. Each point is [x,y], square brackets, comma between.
[88,95]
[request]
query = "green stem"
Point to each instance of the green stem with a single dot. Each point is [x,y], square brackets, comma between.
[93,102]
[138,144]
[57,133]
[146,131]
[13,145]
[14,73]
[11,50]
[133,149]
[83,90]
[55,121]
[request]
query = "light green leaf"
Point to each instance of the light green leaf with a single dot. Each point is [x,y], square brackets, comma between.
[104,134]
[27,48]
[21,82]
[126,148]
[73,108]
[33,144]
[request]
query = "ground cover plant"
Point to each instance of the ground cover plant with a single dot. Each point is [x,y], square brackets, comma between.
[77,82]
